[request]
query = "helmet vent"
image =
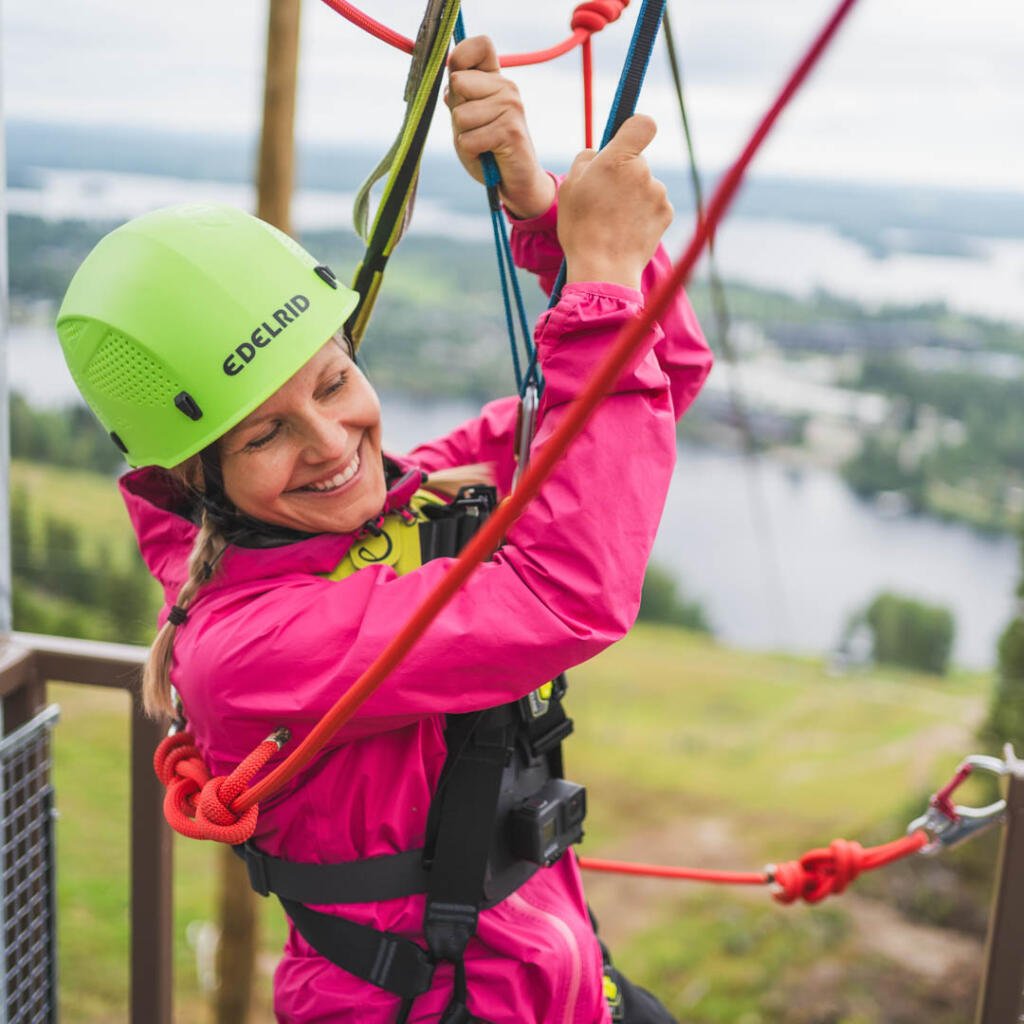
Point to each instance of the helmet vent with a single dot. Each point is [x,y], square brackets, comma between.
[127,374]
[69,331]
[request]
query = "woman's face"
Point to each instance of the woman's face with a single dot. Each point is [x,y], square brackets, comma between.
[310,456]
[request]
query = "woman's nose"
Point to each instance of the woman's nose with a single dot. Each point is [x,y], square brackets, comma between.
[326,438]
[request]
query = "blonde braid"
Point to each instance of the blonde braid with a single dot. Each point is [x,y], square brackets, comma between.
[156,677]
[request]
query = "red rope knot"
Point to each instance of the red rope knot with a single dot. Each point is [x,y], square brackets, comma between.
[593,15]
[199,806]
[819,873]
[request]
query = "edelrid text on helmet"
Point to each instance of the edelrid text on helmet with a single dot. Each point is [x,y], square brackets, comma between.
[167,311]
[245,353]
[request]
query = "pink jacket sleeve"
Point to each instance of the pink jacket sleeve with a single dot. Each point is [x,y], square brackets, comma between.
[487,438]
[565,585]
[681,352]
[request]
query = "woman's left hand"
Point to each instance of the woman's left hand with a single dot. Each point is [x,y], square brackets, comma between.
[487,115]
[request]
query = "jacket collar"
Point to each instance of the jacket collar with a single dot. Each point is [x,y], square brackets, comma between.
[160,514]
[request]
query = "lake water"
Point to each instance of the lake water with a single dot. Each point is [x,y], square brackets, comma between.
[779,557]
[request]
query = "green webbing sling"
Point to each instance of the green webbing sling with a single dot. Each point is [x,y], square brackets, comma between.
[402,161]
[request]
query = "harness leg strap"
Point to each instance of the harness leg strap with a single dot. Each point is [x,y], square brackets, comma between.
[462,842]
[384,959]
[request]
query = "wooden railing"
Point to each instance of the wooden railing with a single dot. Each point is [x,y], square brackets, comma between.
[29,661]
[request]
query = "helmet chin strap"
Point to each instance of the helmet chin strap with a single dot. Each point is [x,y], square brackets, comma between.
[235,526]
[239,528]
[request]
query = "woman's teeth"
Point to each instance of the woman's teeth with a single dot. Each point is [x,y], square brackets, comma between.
[338,479]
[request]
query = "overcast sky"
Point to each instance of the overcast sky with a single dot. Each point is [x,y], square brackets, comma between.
[913,91]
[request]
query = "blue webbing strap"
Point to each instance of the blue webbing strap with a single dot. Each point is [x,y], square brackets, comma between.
[645,33]
[510,290]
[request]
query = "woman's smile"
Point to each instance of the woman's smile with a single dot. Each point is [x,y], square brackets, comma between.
[333,483]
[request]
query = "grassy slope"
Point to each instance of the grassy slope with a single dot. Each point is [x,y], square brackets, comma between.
[70,493]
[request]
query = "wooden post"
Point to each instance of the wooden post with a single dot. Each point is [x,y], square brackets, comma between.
[152,904]
[1002,985]
[239,938]
[276,173]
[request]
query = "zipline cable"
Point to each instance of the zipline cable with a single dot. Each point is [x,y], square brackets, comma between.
[486,541]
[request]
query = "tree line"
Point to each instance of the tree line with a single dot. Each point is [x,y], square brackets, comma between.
[61,589]
[987,459]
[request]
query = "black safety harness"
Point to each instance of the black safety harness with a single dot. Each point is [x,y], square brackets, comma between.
[501,811]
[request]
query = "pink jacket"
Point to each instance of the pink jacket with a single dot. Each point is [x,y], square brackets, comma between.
[270,642]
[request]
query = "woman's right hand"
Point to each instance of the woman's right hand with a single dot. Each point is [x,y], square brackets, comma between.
[611,211]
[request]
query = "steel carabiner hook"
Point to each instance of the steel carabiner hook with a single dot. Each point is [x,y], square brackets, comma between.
[949,824]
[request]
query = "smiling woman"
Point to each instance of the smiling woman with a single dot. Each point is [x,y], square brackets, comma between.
[423,858]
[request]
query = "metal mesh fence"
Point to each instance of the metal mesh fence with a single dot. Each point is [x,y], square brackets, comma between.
[27,884]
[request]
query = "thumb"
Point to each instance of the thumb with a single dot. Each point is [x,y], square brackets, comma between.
[633,137]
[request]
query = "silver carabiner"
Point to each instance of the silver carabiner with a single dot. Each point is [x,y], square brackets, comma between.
[949,824]
[527,428]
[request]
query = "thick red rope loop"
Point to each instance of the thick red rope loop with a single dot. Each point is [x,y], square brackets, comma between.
[170,752]
[198,806]
[821,873]
[593,15]
[215,817]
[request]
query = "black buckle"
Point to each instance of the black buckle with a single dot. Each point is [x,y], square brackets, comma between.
[256,865]
[542,743]
[448,927]
[402,967]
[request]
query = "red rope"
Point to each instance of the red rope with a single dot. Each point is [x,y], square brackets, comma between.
[367,24]
[587,19]
[817,874]
[540,467]
[821,873]
[198,806]
[619,867]
[588,94]
[520,60]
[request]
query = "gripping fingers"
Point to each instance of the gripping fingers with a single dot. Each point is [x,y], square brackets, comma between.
[635,134]
[497,135]
[583,159]
[477,85]
[476,113]
[474,52]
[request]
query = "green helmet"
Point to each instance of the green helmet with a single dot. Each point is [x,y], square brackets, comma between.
[182,321]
